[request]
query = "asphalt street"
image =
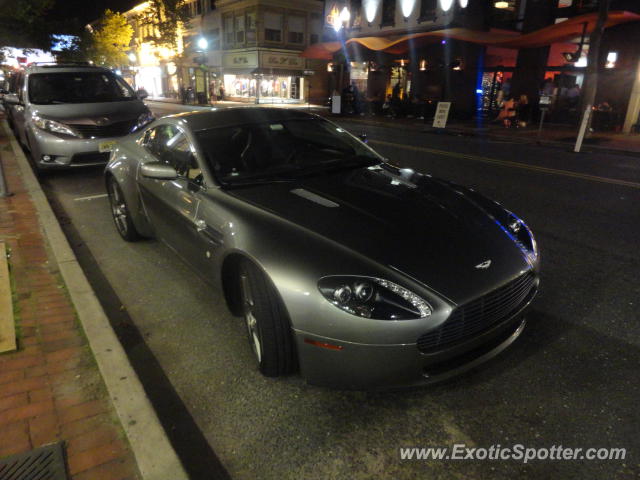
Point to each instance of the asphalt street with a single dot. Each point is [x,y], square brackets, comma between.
[570,380]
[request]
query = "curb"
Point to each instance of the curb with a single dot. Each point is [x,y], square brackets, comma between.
[156,458]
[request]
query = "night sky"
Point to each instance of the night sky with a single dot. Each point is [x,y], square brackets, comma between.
[85,11]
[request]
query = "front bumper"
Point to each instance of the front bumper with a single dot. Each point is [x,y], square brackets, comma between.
[66,152]
[370,367]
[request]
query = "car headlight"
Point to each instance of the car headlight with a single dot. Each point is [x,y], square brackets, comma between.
[372,297]
[53,126]
[143,120]
[521,234]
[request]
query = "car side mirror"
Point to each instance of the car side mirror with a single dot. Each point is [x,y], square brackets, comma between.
[363,137]
[12,99]
[159,171]
[141,93]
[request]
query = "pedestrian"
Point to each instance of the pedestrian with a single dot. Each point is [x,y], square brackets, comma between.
[508,113]
[523,111]
[221,96]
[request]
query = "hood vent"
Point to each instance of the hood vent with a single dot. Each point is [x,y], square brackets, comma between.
[301,192]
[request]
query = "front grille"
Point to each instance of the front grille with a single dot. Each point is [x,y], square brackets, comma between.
[480,314]
[89,158]
[117,129]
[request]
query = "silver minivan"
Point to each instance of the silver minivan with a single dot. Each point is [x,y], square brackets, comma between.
[69,115]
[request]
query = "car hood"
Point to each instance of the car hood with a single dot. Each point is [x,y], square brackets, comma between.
[88,113]
[422,226]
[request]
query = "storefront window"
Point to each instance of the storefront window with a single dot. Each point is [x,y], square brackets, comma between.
[273,88]
[273,27]
[296,29]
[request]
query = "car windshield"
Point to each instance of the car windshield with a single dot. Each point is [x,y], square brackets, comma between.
[281,150]
[77,87]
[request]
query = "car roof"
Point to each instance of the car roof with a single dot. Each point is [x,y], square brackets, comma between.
[64,68]
[227,117]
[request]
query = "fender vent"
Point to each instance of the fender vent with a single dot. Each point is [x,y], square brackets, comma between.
[325,202]
[44,463]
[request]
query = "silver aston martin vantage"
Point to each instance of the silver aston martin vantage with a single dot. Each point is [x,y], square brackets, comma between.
[353,271]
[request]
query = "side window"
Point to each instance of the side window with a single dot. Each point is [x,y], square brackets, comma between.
[182,158]
[158,140]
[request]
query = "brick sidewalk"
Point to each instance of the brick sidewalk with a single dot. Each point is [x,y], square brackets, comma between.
[51,389]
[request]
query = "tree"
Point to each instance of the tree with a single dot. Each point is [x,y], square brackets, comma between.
[109,40]
[22,23]
[167,16]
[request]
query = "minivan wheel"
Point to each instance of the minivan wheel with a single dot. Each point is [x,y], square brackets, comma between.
[120,212]
[267,324]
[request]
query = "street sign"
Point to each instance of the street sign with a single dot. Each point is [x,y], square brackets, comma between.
[442,115]
[308,73]
[545,102]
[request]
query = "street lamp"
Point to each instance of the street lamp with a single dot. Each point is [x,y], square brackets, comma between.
[203,44]
[132,57]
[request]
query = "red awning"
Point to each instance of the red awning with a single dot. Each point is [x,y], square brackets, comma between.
[560,32]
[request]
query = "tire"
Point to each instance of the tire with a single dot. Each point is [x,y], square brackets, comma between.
[120,212]
[267,323]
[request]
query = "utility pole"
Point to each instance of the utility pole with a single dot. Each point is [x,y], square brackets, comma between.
[593,66]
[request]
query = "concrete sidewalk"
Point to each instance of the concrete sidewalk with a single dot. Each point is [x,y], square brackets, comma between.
[52,389]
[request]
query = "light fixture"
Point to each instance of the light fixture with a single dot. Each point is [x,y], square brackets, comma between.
[329,67]
[203,43]
[423,65]
[445,5]
[501,4]
[407,7]
[345,15]
[612,58]
[370,9]
[132,57]
[463,3]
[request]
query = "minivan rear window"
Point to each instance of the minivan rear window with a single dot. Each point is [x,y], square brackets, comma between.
[78,87]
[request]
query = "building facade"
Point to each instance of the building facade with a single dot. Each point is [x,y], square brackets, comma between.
[474,53]
[241,50]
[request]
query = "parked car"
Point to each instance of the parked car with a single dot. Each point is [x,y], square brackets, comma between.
[68,115]
[362,274]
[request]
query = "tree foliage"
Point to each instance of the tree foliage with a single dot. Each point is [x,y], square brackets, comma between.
[167,16]
[23,24]
[109,40]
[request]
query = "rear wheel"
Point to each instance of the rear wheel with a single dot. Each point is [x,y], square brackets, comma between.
[267,324]
[120,212]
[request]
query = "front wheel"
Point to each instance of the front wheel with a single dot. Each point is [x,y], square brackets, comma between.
[120,212]
[267,323]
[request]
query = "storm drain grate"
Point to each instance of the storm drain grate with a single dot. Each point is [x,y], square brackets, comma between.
[44,463]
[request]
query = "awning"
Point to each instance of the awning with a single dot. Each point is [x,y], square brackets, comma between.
[398,45]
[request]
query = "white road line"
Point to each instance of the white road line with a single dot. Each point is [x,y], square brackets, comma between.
[90,197]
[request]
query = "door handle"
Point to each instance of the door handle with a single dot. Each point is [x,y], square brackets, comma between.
[201,226]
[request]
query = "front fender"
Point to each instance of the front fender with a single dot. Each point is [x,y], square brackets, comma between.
[123,167]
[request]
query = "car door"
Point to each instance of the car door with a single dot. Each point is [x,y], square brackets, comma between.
[18,111]
[172,205]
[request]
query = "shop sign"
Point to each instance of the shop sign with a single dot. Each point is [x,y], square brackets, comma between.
[442,115]
[280,60]
[240,60]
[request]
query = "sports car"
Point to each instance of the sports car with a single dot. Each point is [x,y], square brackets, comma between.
[355,272]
